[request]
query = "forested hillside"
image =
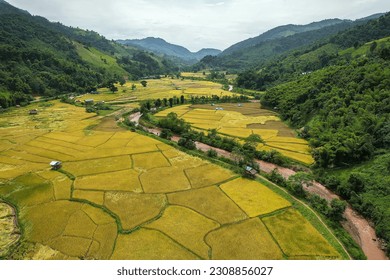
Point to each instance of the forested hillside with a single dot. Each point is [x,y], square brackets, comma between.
[281,32]
[336,50]
[256,53]
[342,106]
[38,57]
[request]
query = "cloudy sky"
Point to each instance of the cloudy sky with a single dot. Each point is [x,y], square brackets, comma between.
[195,24]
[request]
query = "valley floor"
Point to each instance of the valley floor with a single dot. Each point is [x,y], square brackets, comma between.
[118,190]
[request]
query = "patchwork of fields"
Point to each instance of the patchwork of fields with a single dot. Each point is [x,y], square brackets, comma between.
[240,121]
[159,88]
[122,195]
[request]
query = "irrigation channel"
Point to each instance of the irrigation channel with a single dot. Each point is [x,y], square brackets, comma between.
[360,229]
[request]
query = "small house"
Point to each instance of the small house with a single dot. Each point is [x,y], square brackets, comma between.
[33,112]
[250,171]
[55,165]
[88,101]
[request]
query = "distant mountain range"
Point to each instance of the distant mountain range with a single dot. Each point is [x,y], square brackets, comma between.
[162,47]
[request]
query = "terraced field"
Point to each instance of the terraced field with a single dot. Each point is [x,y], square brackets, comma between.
[122,195]
[157,88]
[242,120]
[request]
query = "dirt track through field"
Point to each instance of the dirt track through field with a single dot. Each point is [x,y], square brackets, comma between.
[359,228]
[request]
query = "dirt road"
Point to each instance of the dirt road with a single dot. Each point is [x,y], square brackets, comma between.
[359,228]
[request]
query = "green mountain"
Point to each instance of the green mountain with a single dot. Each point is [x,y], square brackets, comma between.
[256,52]
[342,106]
[280,32]
[161,47]
[337,49]
[39,57]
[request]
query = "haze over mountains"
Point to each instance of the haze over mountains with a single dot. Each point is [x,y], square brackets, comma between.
[251,51]
[160,46]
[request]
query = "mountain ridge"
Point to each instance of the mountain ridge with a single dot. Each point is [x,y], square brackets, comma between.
[280,32]
[247,54]
[162,47]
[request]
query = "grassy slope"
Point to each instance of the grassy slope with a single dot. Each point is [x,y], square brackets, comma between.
[99,59]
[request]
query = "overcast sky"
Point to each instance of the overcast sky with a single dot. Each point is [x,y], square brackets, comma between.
[195,24]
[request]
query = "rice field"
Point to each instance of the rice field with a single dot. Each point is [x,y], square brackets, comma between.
[134,209]
[242,120]
[157,88]
[253,198]
[123,195]
[287,228]
[256,243]
[186,227]
[147,244]
[207,175]
[211,202]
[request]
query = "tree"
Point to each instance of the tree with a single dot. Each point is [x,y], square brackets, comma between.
[187,143]
[133,87]
[298,181]
[158,103]
[148,106]
[302,178]
[254,138]
[212,153]
[122,81]
[166,134]
[182,99]
[337,209]
[238,155]
[356,182]
[144,83]
[250,145]
[277,178]
[170,102]
[113,88]
[173,123]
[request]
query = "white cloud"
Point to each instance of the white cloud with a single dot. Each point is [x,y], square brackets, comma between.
[195,23]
